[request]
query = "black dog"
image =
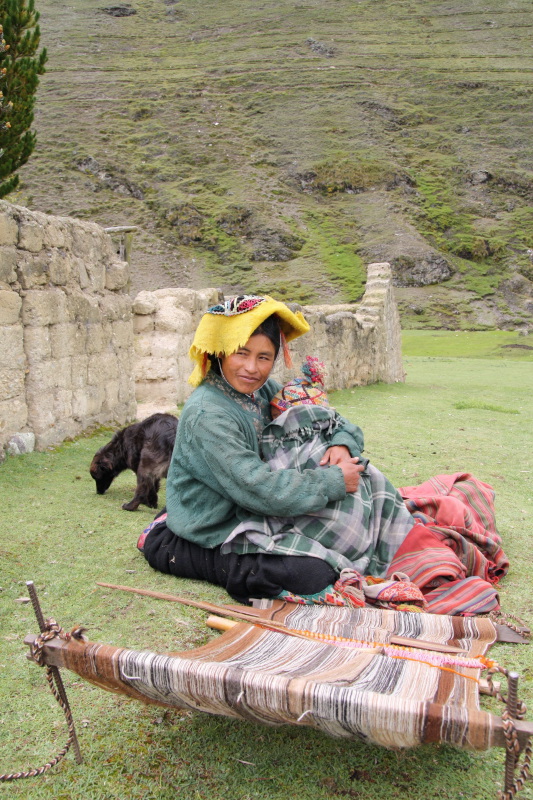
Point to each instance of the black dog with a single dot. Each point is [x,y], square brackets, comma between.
[146,448]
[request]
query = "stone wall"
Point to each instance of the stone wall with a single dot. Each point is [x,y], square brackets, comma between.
[164,323]
[66,334]
[76,352]
[359,344]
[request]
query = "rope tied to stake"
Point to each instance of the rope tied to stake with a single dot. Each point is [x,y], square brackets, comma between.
[513,784]
[51,631]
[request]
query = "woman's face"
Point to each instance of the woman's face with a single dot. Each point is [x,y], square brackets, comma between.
[248,368]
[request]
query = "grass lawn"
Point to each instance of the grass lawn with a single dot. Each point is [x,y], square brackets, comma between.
[471,413]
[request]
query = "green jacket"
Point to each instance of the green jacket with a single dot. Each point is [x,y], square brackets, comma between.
[216,475]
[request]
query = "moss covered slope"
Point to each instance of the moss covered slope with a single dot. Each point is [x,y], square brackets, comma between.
[280,146]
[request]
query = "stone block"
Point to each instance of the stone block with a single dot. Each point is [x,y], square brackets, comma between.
[80,269]
[125,361]
[21,443]
[88,402]
[143,324]
[57,233]
[8,263]
[48,375]
[183,391]
[79,339]
[122,334]
[44,307]
[11,383]
[61,430]
[126,392]
[37,344]
[9,229]
[187,299]
[63,404]
[164,345]
[170,317]
[115,307]
[207,298]
[111,395]
[117,275]
[95,338]
[101,368]
[145,303]
[59,267]
[80,404]
[109,249]
[32,269]
[12,347]
[10,307]
[157,393]
[63,339]
[84,308]
[184,367]
[107,337]
[96,273]
[41,412]
[31,235]
[142,346]
[183,345]
[79,371]
[84,243]
[151,369]
[13,416]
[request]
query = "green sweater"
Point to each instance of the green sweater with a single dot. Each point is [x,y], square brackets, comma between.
[216,475]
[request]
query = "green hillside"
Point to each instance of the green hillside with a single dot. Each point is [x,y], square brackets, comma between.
[281,146]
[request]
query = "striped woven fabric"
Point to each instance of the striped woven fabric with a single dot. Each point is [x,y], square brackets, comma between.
[454,553]
[271,677]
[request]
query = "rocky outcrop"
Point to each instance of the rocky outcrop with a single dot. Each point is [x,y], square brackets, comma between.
[420,270]
[110,179]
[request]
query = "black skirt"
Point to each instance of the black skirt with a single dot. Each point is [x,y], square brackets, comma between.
[244,577]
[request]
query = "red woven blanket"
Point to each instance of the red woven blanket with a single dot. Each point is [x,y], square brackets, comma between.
[454,553]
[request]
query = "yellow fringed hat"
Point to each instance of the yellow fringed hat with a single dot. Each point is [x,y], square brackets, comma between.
[227,326]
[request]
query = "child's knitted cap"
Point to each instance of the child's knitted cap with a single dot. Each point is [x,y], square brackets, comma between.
[307,390]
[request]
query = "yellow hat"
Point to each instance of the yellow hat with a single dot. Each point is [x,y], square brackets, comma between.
[227,326]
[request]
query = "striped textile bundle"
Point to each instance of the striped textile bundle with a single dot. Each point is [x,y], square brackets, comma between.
[270,677]
[454,551]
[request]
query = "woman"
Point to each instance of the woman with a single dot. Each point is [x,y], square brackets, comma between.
[217,480]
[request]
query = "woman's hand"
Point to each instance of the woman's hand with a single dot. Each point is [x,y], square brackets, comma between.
[351,471]
[339,456]
[336,455]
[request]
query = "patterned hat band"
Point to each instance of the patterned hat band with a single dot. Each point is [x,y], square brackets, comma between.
[236,305]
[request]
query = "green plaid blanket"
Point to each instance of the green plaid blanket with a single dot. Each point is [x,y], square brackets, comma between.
[363,531]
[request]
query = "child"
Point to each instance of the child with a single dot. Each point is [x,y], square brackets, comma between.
[307,390]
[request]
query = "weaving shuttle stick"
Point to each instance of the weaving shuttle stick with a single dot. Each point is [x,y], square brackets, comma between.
[257,618]
[220,624]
